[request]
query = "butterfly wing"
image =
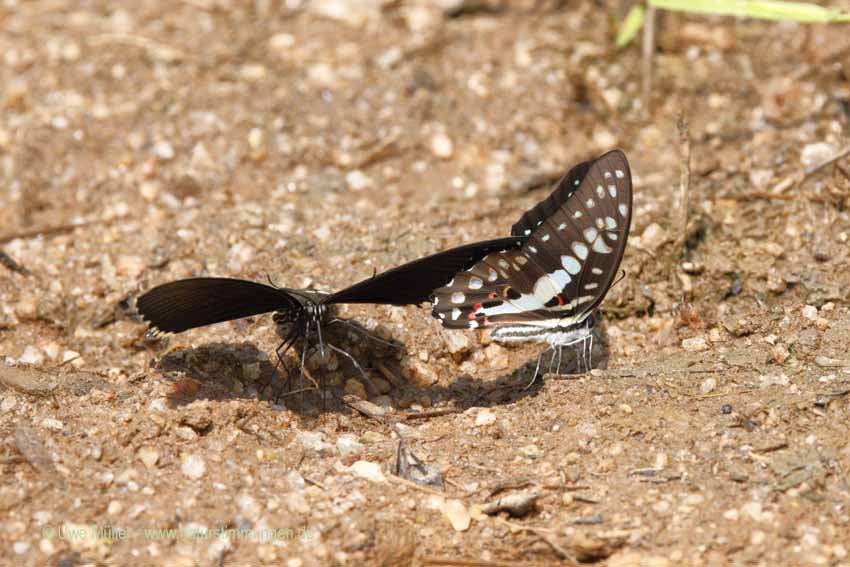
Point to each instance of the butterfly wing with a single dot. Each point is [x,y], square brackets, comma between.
[562,273]
[414,282]
[180,305]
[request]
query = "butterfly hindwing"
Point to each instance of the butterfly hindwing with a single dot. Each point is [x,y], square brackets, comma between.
[180,305]
[564,269]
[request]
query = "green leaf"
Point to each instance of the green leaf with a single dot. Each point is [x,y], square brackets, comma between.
[630,26]
[763,9]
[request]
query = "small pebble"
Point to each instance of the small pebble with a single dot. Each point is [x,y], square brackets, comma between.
[164,151]
[810,312]
[708,385]
[695,344]
[441,145]
[193,466]
[368,470]
[457,514]
[485,417]
[726,409]
[357,180]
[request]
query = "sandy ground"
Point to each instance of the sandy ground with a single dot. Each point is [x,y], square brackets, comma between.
[316,142]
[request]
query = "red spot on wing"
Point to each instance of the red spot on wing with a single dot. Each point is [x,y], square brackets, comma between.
[560,299]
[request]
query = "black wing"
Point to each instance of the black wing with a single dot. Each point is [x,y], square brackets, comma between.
[568,185]
[185,304]
[414,282]
[568,264]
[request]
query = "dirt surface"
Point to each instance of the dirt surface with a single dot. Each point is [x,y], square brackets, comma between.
[317,142]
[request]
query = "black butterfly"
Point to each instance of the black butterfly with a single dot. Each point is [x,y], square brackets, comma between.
[547,288]
[302,313]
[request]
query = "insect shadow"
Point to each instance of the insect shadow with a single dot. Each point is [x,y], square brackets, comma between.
[222,371]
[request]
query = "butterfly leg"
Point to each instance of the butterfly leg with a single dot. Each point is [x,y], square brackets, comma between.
[364,332]
[370,387]
[536,370]
[558,368]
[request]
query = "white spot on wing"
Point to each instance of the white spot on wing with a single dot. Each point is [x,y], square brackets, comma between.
[504,263]
[522,259]
[527,231]
[624,210]
[610,223]
[533,249]
[458,297]
[619,173]
[577,181]
[475,283]
[596,271]
[473,324]
[451,283]
[562,226]
[591,286]
[600,191]
[544,238]
[570,264]
[441,315]
[580,250]
[600,224]
[600,246]
[612,235]
[455,314]
[607,175]
[492,276]
[590,203]
[612,190]
[590,234]
[578,214]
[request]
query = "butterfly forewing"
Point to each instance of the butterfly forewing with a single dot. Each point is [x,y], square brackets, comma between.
[177,306]
[414,282]
[567,265]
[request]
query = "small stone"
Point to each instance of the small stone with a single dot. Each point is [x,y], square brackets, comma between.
[779,354]
[531,451]
[31,355]
[114,507]
[253,72]
[372,438]
[774,249]
[775,380]
[715,335]
[368,470]
[810,312]
[356,388]
[149,456]
[653,236]
[732,515]
[822,323]
[238,256]
[695,344]
[753,510]
[130,266]
[708,385]
[52,424]
[813,154]
[357,180]
[295,480]
[256,138]
[496,355]
[417,372]
[193,466]
[21,547]
[296,503]
[281,41]
[8,404]
[456,342]
[164,151]
[485,417]
[457,514]
[441,145]
[348,444]
[150,190]
[314,440]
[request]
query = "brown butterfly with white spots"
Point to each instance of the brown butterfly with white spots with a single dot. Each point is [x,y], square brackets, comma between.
[548,288]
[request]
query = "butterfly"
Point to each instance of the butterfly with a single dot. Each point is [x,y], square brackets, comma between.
[303,314]
[548,288]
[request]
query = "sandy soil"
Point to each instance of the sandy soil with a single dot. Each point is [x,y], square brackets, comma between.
[316,142]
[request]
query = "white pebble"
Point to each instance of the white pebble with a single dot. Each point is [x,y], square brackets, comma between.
[368,470]
[810,312]
[31,355]
[695,344]
[708,385]
[357,180]
[164,150]
[485,417]
[193,466]
[442,146]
